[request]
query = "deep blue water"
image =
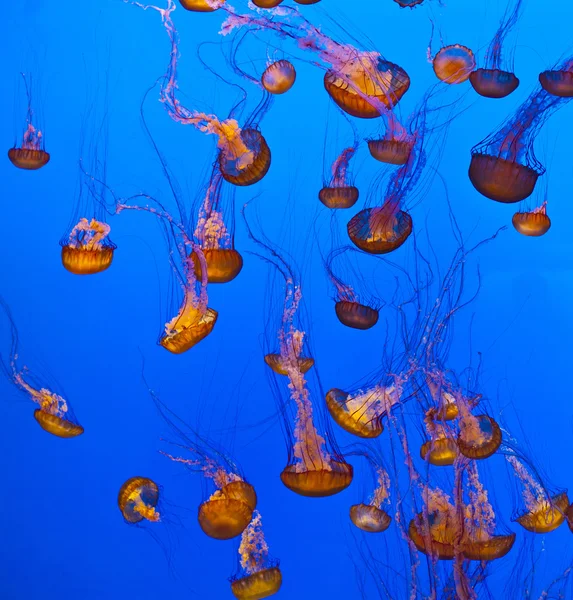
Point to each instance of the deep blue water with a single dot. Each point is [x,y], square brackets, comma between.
[62,533]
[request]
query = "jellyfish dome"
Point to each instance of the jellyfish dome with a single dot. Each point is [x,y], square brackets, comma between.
[559,81]
[188,328]
[390,151]
[87,249]
[279,77]
[493,83]
[223,264]
[356,315]
[369,518]
[408,3]
[380,230]
[248,166]
[202,5]
[545,514]
[279,366]
[29,159]
[533,223]
[440,452]
[479,437]
[137,500]
[267,3]
[453,64]
[339,197]
[261,584]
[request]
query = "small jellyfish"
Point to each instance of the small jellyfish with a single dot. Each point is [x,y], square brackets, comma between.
[371,517]
[480,436]
[54,414]
[492,81]
[202,5]
[533,223]
[340,193]
[260,577]
[137,500]
[380,230]
[87,249]
[279,77]
[30,155]
[267,3]
[453,64]
[559,80]
[441,450]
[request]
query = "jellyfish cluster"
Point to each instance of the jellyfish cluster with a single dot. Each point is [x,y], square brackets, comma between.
[418,450]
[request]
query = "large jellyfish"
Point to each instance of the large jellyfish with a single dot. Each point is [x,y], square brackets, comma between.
[31,154]
[54,413]
[503,167]
[260,576]
[493,81]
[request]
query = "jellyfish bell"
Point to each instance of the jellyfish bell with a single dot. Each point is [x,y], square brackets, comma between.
[370,518]
[363,77]
[533,223]
[440,546]
[480,437]
[261,584]
[137,500]
[87,249]
[201,5]
[246,167]
[223,264]
[307,2]
[359,413]
[277,363]
[356,315]
[228,511]
[339,197]
[495,547]
[453,64]
[546,514]
[330,479]
[266,3]
[493,83]
[408,3]
[30,159]
[380,230]
[501,179]
[440,452]
[279,77]
[56,425]
[188,329]
[390,151]
[557,83]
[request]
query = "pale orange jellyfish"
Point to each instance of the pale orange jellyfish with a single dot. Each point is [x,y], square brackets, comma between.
[339,192]
[279,77]
[137,500]
[201,5]
[87,249]
[533,223]
[454,64]
[370,516]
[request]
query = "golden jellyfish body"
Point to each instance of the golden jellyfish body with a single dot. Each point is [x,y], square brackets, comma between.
[448,411]
[229,510]
[28,158]
[353,417]
[392,152]
[223,264]
[379,230]
[531,224]
[350,90]
[179,341]
[547,515]
[369,518]
[339,197]
[135,493]
[261,584]
[493,83]
[439,545]
[277,364]
[279,77]
[453,64]
[318,483]
[500,179]
[495,547]
[266,3]
[440,452]
[84,261]
[256,170]
[201,5]
[486,442]
[356,315]
[57,426]
[557,83]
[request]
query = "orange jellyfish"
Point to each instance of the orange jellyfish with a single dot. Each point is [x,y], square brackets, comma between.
[267,3]
[492,81]
[480,436]
[87,249]
[260,577]
[279,77]
[31,154]
[201,5]
[370,516]
[453,64]
[559,80]
[441,449]
[533,223]
[543,512]
[503,167]
[54,413]
[339,192]
[351,307]
[215,237]
[137,500]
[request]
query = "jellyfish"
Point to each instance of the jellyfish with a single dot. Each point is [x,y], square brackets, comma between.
[87,249]
[54,413]
[441,449]
[137,500]
[559,80]
[267,3]
[503,167]
[260,576]
[339,192]
[201,5]
[370,516]
[31,154]
[214,236]
[408,3]
[279,77]
[543,512]
[533,223]
[352,308]
[492,81]
[454,64]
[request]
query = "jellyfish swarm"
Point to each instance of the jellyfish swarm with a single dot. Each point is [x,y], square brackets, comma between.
[87,249]
[503,167]
[532,223]
[371,517]
[361,83]
[453,64]
[54,414]
[339,193]
[259,577]
[215,238]
[559,80]
[279,77]
[137,500]
[492,81]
